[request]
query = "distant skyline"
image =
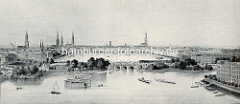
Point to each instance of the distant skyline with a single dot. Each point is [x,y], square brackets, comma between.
[95,22]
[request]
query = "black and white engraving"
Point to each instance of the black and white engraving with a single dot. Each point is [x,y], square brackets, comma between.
[119,51]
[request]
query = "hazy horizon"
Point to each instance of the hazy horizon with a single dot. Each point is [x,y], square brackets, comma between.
[168,22]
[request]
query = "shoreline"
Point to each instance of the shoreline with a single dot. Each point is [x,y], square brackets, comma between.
[223,86]
[63,71]
[178,70]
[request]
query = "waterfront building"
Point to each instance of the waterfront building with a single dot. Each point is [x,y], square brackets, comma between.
[229,72]
[203,59]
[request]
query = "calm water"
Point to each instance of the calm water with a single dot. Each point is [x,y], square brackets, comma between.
[119,87]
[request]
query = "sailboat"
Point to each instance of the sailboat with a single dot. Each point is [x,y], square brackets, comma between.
[54,89]
[194,86]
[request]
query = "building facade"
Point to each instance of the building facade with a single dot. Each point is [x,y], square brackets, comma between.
[229,72]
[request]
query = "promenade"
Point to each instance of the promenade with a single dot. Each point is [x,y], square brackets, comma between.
[224,86]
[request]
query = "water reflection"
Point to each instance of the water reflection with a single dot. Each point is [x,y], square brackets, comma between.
[27,82]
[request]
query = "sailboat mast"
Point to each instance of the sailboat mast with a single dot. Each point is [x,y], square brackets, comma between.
[192,77]
[54,87]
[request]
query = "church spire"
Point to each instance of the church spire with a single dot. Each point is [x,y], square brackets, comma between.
[26,40]
[57,40]
[42,44]
[72,38]
[145,39]
[62,43]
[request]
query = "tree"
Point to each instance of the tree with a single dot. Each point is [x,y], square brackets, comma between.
[100,64]
[47,60]
[172,60]
[234,59]
[177,60]
[91,62]
[23,71]
[51,61]
[182,65]
[106,63]
[34,69]
[68,63]
[28,70]
[74,64]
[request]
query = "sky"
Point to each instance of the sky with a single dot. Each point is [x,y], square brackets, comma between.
[95,22]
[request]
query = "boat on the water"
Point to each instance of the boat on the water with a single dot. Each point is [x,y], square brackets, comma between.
[221,94]
[170,82]
[54,92]
[55,86]
[199,83]
[70,80]
[210,89]
[19,88]
[144,80]
[78,79]
[194,86]
[215,92]
[163,80]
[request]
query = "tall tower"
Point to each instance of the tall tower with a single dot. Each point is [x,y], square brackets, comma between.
[40,44]
[110,43]
[57,40]
[62,44]
[72,38]
[26,40]
[145,39]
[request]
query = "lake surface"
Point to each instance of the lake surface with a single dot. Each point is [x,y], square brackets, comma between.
[119,87]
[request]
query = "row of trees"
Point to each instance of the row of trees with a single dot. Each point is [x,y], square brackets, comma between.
[232,59]
[173,60]
[235,59]
[187,62]
[26,71]
[91,64]
[157,66]
[49,60]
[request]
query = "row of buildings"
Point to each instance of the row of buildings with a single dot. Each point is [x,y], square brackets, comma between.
[204,56]
[228,72]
